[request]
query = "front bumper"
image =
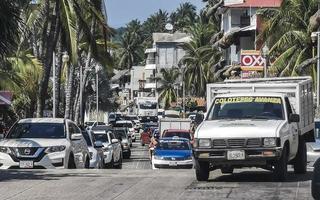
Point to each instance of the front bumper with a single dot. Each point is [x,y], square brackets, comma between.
[43,161]
[107,156]
[253,156]
[172,163]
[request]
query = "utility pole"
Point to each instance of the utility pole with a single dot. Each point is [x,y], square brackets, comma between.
[97,83]
[54,109]
[81,96]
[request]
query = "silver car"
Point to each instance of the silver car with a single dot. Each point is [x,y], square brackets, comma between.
[126,143]
[111,146]
[313,148]
[95,150]
[44,143]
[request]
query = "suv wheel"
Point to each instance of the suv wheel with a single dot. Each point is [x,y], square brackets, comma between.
[87,163]
[71,162]
[202,171]
[300,161]
[119,164]
[281,166]
[111,164]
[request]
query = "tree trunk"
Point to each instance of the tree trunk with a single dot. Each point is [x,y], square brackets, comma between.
[69,92]
[47,60]
[58,75]
[76,106]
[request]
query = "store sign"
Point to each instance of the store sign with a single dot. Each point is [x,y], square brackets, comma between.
[251,60]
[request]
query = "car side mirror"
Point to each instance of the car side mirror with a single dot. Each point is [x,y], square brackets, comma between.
[199,118]
[76,136]
[98,144]
[113,141]
[294,118]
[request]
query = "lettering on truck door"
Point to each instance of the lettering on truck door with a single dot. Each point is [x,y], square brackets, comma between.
[293,128]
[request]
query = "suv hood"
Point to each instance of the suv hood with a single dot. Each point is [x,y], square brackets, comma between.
[33,142]
[222,129]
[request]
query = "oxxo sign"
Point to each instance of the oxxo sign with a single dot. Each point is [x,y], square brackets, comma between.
[251,60]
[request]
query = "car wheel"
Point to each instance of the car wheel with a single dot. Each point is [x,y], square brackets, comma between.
[300,162]
[227,170]
[142,144]
[87,163]
[281,166]
[130,144]
[127,155]
[202,171]
[111,164]
[134,140]
[119,164]
[71,162]
[316,180]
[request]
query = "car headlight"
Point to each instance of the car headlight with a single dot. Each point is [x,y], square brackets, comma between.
[204,143]
[158,157]
[55,149]
[269,142]
[5,150]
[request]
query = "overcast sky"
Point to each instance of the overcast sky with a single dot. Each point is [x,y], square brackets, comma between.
[120,12]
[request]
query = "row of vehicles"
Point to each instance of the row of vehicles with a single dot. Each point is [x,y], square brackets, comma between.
[59,143]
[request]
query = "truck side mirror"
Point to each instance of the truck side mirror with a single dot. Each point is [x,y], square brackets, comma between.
[199,118]
[294,118]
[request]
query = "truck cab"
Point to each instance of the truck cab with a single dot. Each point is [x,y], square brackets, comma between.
[254,128]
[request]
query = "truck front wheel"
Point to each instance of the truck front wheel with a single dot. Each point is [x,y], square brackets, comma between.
[281,166]
[202,171]
[300,161]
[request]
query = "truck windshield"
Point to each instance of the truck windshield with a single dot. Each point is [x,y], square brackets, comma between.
[247,108]
[37,130]
[148,105]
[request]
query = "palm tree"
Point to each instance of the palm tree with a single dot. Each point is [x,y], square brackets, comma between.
[184,16]
[287,31]
[167,93]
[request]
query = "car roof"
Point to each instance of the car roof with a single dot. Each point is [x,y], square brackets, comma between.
[42,120]
[177,130]
[123,121]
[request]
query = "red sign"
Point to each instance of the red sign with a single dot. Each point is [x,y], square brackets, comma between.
[5,98]
[251,60]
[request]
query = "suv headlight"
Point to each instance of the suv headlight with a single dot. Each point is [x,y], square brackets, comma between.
[203,143]
[55,149]
[5,150]
[269,142]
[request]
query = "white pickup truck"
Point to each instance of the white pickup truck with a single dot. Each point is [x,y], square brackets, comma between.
[256,123]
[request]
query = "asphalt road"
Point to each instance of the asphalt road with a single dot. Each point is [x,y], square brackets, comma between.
[138,181]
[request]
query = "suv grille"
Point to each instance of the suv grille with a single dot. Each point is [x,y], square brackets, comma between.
[26,151]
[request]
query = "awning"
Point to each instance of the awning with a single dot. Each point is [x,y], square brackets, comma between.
[151,50]
[150,86]
[150,66]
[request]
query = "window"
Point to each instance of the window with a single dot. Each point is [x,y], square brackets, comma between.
[100,137]
[173,145]
[37,130]
[87,138]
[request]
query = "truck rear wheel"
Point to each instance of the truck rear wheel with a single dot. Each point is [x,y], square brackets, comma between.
[316,180]
[281,166]
[300,161]
[202,171]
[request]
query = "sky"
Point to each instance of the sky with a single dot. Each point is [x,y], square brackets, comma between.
[120,12]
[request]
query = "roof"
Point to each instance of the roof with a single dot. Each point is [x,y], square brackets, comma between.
[256,4]
[120,74]
[42,120]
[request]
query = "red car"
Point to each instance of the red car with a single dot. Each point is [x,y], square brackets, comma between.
[178,133]
[146,135]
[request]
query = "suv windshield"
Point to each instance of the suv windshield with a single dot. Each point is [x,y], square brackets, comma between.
[173,145]
[101,137]
[37,130]
[247,108]
[120,133]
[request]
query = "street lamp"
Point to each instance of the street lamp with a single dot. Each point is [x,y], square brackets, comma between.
[314,38]
[265,54]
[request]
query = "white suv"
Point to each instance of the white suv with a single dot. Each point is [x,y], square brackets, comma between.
[44,143]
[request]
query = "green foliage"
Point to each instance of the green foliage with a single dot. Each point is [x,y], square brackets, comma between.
[167,81]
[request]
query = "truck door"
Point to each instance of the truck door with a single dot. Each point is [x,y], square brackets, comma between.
[293,128]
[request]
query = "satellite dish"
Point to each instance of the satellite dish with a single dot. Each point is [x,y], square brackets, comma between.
[169,27]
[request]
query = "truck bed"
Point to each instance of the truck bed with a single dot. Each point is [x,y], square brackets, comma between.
[298,89]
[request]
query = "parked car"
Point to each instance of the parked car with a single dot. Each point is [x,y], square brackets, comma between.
[172,153]
[95,150]
[315,186]
[180,133]
[126,130]
[313,148]
[44,143]
[128,124]
[111,146]
[135,120]
[113,117]
[126,143]
[146,135]
[88,125]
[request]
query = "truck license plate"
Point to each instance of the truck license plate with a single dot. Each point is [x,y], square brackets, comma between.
[173,163]
[26,164]
[236,155]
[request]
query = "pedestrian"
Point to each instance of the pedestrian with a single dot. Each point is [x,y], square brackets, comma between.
[153,144]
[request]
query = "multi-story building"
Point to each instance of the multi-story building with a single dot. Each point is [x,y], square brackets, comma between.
[241,16]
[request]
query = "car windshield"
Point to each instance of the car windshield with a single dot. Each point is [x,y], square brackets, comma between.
[37,130]
[128,125]
[173,145]
[120,133]
[179,134]
[247,108]
[101,137]
[87,138]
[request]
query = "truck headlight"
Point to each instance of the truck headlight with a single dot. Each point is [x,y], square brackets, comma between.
[269,142]
[204,143]
[5,150]
[55,149]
